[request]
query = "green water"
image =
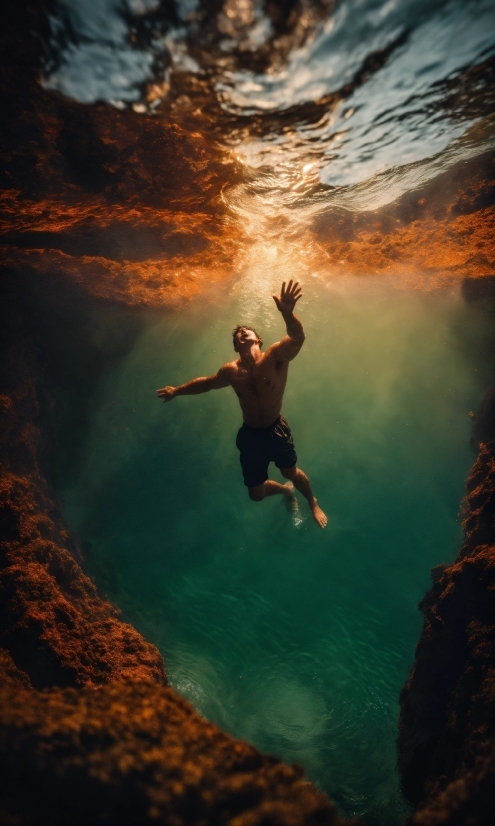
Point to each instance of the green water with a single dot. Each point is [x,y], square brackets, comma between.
[296,639]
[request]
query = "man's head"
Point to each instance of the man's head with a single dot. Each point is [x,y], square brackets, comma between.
[245,337]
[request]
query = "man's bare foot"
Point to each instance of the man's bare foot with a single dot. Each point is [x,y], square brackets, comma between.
[318,514]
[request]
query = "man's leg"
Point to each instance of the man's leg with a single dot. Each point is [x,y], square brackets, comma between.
[270,488]
[302,484]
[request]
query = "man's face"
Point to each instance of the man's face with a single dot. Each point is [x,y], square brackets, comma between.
[245,338]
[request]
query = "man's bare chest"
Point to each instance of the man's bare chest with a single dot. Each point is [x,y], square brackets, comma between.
[258,382]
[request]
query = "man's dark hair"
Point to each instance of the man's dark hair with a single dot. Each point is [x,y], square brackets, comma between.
[245,327]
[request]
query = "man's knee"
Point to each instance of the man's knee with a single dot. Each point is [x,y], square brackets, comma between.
[289,472]
[258,493]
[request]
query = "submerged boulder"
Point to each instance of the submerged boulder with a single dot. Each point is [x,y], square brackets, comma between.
[136,753]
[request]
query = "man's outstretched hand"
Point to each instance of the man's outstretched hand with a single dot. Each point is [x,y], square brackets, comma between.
[288,297]
[166,393]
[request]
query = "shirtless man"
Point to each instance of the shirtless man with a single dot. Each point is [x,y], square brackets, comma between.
[259,380]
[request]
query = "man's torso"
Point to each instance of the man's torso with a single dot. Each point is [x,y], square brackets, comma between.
[260,388]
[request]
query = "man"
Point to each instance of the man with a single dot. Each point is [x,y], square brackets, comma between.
[259,380]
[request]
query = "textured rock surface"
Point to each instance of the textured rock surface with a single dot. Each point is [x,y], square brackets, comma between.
[56,627]
[137,753]
[447,725]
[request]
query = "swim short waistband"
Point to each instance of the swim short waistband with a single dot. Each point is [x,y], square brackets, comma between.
[270,426]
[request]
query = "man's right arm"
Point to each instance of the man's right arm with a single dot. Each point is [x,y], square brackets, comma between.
[195,386]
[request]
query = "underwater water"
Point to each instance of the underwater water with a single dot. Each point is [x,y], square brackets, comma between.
[296,639]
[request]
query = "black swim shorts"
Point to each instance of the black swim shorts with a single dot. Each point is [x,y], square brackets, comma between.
[261,445]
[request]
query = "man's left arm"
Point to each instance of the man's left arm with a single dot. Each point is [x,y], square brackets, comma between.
[288,348]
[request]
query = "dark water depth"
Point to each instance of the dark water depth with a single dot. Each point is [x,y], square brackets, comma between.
[296,639]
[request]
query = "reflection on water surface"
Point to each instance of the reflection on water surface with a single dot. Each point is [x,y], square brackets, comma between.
[367,86]
[359,133]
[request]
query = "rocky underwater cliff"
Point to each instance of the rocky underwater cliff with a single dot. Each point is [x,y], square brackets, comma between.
[90,732]
[446,744]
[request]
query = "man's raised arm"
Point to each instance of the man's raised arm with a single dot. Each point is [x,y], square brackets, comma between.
[289,346]
[195,386]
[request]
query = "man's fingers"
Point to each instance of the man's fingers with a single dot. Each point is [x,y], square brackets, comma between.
[292,287]
[291,292]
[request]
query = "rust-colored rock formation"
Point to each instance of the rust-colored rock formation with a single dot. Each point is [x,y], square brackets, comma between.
[444,230]
[136,753]
[56,627]
[447,744]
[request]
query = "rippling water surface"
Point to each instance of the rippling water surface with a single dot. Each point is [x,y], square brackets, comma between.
[368,87]
[295,639]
